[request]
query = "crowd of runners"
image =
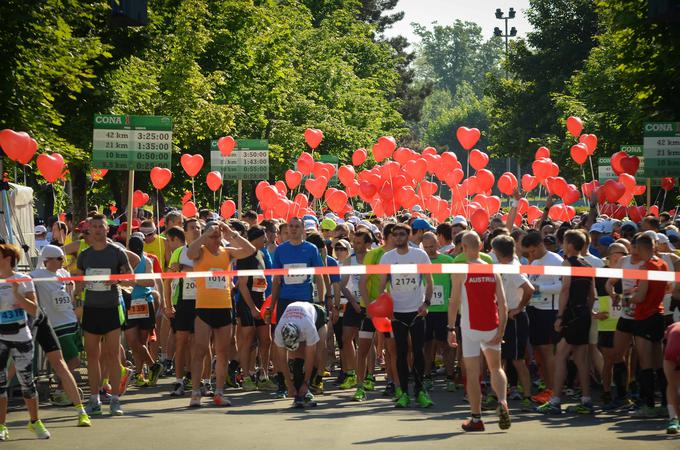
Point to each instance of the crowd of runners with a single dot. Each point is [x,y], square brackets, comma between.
[512,342]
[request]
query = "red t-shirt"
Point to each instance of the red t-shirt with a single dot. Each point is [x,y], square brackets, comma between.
[154,262]
[479,310]
[655,291]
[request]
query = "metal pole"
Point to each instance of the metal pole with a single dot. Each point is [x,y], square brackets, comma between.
[131,190]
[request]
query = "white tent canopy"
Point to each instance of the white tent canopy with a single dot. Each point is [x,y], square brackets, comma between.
[16,219]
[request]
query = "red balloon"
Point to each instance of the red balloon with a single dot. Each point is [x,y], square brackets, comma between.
[226,145]
[384,148]
[18,146]
[628,180]
[667,183]
[587,188]
[542,152]
[406,197]
[557,186]
[571,196]
[533,213]
[403,155]
[574,126]
[427,188]
[113,209]
[449,160]
[485,179]
[590,141]
[269,196]
[529,182]
[191,164]
[313,137]
[301,200]
[160,177]
[579,153]
[654,210]
[507,183]
[305,163]
[453,177]
[542,168]
[259,189]
[316,186]
[139,199]
[616,162]
[468,137]
[639,190]
[359,156]
[227,209]
[98,174]
[346,175]
[613,190]
[189,209]
[281,187]
[630,164]
[480,220]
[383,306]
[51,167]
[293,178]
[185,198]
[522,206]
[416,168]
[337,201]
[635,213]
[478,160]
[214,180]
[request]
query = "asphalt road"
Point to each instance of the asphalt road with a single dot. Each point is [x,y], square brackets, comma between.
[153,420]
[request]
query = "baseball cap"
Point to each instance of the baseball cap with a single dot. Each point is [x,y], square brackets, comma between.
[124,226]
[422,224]
[608,226]
[151,229]
[344,243]
[597,227]
[459,220]
[606,241]
[40,229]
[83,225]
[629,223]
[417,208]
[51,251]
[663,239]
[307,217]
[310,225]
[328,224]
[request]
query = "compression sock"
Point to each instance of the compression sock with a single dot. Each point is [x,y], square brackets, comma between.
[619,376]
[280,380]
[646,381]
[298,374]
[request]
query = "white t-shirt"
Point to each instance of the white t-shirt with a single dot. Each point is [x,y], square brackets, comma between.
[512,283]
[10,314]
[594,260]
[548,287]
[54,299]
[303,315]
[407,289]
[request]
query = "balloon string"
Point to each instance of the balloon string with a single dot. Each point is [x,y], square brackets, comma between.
[585,200]
[663,202]
[592,172]
[193,191]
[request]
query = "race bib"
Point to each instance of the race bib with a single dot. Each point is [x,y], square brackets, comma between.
[259,284]
[295,279]
[343,306]
[437,295]
[98,286]
[139,309]
[62,301]
[628,308]
[189,289]
[540,301]
[405,283]
[216,282]
[8,312]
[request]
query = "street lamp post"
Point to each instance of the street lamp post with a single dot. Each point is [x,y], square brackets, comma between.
[513,31]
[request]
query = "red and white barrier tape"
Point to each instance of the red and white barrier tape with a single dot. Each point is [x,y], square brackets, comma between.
[632,274]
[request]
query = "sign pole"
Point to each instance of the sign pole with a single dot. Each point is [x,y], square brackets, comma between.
[131,189]
[649,193]
[240,198]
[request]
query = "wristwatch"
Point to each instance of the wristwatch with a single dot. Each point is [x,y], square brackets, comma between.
[452,329]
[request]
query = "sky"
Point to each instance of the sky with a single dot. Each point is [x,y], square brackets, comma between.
[445,12]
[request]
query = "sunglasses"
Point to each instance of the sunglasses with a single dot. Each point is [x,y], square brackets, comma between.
[340,247]
[58,258]
[619,253]
[400,234]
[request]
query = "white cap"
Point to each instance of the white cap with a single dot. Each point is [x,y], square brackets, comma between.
[417,208]
[652,235]
[459,220]
[663,239]
[40,229]
[310,225]
[353,219]
[51,251]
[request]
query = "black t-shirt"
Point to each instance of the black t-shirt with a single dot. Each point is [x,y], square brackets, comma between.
[580,287]
[254,262]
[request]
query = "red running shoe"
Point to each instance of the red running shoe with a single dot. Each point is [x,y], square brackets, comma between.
[471,425]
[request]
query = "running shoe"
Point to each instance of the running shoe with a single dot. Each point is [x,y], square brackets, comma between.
[403,402]
[618,404]
[187,382]
[4,433]
[195,401]
[341,378]
[451,386]
[308,399]
[282,393]
[125,376]
[168,368]
[526,405]
[428,383]
[316,389]
[471,425]
[581,408]
[326,373]
[59,398]
[249,384]
[267,385]
[104,396]
[542,397]
[140,381]
[504,421]
[672,428]
[389,390]
[177,389]
[515,394]
[490,403]
[84,420]
[115,408]
[231,380]
[94,408]
[369,383]
[359,395]
[397,394]
[298,402]
[207,390]
[220,400]
[646,412]
[424,400]
[154,373]
[39,429]
[350,382]
[549,408]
